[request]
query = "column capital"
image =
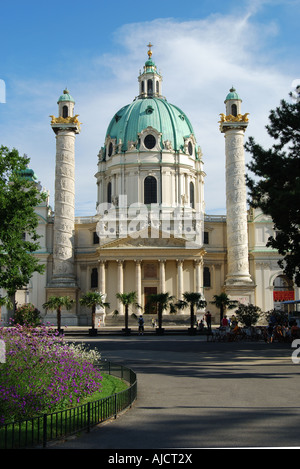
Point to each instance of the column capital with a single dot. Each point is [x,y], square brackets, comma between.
[198,261]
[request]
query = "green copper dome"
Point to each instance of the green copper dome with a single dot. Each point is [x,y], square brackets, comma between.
[232,95]
[28,174]
[164,117]
[65,97]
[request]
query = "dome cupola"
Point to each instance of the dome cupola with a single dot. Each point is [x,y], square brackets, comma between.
[150,154]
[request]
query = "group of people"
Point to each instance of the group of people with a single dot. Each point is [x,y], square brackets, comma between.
[283,332]
[207,318]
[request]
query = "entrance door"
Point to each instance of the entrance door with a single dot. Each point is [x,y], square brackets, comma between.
[149,291]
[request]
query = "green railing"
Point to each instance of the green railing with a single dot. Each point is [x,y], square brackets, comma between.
[38,431]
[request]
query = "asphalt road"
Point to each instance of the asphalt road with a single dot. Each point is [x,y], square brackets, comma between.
[198,394]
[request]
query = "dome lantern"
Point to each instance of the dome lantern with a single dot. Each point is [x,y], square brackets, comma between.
[150,80]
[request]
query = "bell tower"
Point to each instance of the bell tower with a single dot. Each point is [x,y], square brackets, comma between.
[238,282]
[66,126]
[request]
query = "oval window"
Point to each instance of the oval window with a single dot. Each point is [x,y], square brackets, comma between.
[110,149]
[150,141]
[190,148]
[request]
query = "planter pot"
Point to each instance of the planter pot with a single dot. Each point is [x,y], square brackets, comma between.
[126,331]
[160,331]
[92,332]
[192,331]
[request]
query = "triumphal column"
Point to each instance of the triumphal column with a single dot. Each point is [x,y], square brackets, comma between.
[233,124]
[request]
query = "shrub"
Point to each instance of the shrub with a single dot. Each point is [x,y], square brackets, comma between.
[248,315]
[27,314]
[42,373]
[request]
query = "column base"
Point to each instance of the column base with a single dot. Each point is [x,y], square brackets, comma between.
[243,292]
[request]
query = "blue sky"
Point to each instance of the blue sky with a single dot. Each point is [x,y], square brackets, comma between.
[96,49]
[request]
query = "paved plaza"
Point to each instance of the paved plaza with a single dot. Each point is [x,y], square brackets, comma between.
[198,394]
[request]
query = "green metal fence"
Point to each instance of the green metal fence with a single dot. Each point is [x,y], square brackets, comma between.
[39,431]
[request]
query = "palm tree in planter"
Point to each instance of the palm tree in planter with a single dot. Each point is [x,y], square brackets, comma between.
[193,300]
[161,302]
[56,303]
[223,303]
[92,300]
[128,299]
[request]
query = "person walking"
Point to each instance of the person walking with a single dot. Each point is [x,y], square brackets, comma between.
[208,320]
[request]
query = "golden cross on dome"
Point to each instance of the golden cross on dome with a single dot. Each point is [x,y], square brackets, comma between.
[150,51]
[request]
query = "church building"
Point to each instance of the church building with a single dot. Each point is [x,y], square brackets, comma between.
[150,233]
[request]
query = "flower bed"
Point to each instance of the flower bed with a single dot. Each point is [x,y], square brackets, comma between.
[42,374]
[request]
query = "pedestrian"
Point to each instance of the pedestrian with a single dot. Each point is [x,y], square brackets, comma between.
[141,325]
[208,320]
[224,321]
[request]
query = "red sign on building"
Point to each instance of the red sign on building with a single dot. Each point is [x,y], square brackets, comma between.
[284,295]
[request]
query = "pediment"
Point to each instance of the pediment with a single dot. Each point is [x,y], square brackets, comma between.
[149,237]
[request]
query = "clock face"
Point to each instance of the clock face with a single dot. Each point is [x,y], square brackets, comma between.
[150,141]
[190,148]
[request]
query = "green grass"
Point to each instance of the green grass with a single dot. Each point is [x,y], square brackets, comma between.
[110,385]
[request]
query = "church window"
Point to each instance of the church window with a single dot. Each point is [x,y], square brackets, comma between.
[150,190]
[95,238]
[65,111]
[149,87]
[94,278]
[234,110]
[190,148]
[150,141]
[149,110]
[110,149]
[109,192]
[157,87]
[205,237]
[142,87]
[206,277]
[192,195]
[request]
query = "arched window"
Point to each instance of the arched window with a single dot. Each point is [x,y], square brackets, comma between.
[150,190]
[149,87]
[65,111]
[234,110]
[157,87]
[192,195]
[109,192]
[142,87]
[206,277]
[94,278]
[110,149]
[283,290]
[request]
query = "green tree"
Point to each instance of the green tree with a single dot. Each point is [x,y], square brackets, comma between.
[223,303]
[56,303]
[18,236]
[92,300]
[276,186]
[160,302]
[128,299]
[277,316]
[191,299]
[248,315]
